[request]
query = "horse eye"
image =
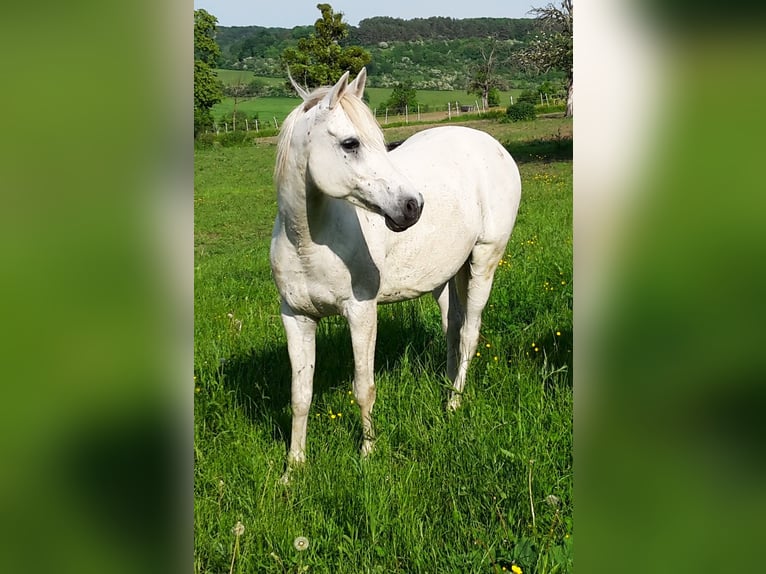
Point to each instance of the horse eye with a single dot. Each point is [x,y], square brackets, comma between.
[350,144]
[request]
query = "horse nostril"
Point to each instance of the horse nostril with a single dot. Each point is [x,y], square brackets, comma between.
[411,209]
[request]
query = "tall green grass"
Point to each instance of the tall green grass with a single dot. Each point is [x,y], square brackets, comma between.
[476,491]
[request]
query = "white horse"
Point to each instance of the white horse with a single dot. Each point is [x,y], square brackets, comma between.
[358,225]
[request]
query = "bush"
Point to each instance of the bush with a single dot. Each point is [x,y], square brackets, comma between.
[493,97]
[529,96]
[205,140]
[203,121]
[236,138]
[521,112]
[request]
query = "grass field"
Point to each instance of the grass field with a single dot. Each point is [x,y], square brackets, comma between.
[478,491]
[268,108]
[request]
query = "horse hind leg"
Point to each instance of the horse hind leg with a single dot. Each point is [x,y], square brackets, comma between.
[472,290]
[451,298]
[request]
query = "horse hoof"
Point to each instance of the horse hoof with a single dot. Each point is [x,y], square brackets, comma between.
[368,447]
[453,404]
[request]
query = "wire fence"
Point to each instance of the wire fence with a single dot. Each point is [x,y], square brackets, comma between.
[384,115]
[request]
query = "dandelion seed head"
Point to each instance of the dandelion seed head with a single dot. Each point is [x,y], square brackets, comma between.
[238,529]
[301,543]
[552,500]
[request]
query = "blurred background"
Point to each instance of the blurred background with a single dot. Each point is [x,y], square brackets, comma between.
[96,230]
[669,303]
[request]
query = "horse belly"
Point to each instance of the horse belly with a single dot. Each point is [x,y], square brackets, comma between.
[425,257]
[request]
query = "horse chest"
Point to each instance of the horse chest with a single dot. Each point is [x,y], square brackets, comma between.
[313,280]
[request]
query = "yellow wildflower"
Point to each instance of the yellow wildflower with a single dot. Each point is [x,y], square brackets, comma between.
[516,570]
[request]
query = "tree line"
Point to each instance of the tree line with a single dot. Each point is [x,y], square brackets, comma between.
[386,29]
[240,42]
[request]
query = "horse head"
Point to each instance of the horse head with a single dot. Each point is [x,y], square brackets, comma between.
[346,156]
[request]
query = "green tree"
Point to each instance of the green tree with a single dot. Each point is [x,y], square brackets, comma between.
[552,48]
[207,87]
[320,59]
[402,95]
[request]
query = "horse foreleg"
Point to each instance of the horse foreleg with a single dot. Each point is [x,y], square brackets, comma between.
[477,278]
[363,322]
[301,346]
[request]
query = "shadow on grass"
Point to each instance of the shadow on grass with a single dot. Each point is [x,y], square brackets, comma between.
[261,378]
[556,148]
[557,353]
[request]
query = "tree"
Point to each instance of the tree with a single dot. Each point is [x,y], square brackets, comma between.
[207,88]
[239,91]
[552,48]
[483,79]
[320,60]
[403,95]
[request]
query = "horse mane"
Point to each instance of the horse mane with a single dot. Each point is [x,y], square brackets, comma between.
[357,111]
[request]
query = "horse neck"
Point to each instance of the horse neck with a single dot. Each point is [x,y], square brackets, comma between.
[298,203]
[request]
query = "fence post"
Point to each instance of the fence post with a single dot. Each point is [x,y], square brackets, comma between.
[406,114]
[386,115]
[449,110]
[247,126]
[256,125]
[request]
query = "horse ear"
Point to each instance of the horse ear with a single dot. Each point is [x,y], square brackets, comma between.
[337,91]
[357,86]
[301,92]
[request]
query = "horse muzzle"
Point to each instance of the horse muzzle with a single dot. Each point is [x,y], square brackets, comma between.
[410,210]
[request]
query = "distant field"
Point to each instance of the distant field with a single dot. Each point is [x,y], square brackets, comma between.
[229,77]
[266,108]
[269,108]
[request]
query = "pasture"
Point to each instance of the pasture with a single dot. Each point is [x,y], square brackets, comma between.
[479,490]
[270,107]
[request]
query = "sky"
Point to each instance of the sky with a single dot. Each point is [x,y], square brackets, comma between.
[291,13]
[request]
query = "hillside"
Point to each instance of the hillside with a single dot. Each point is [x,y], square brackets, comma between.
[432,53]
